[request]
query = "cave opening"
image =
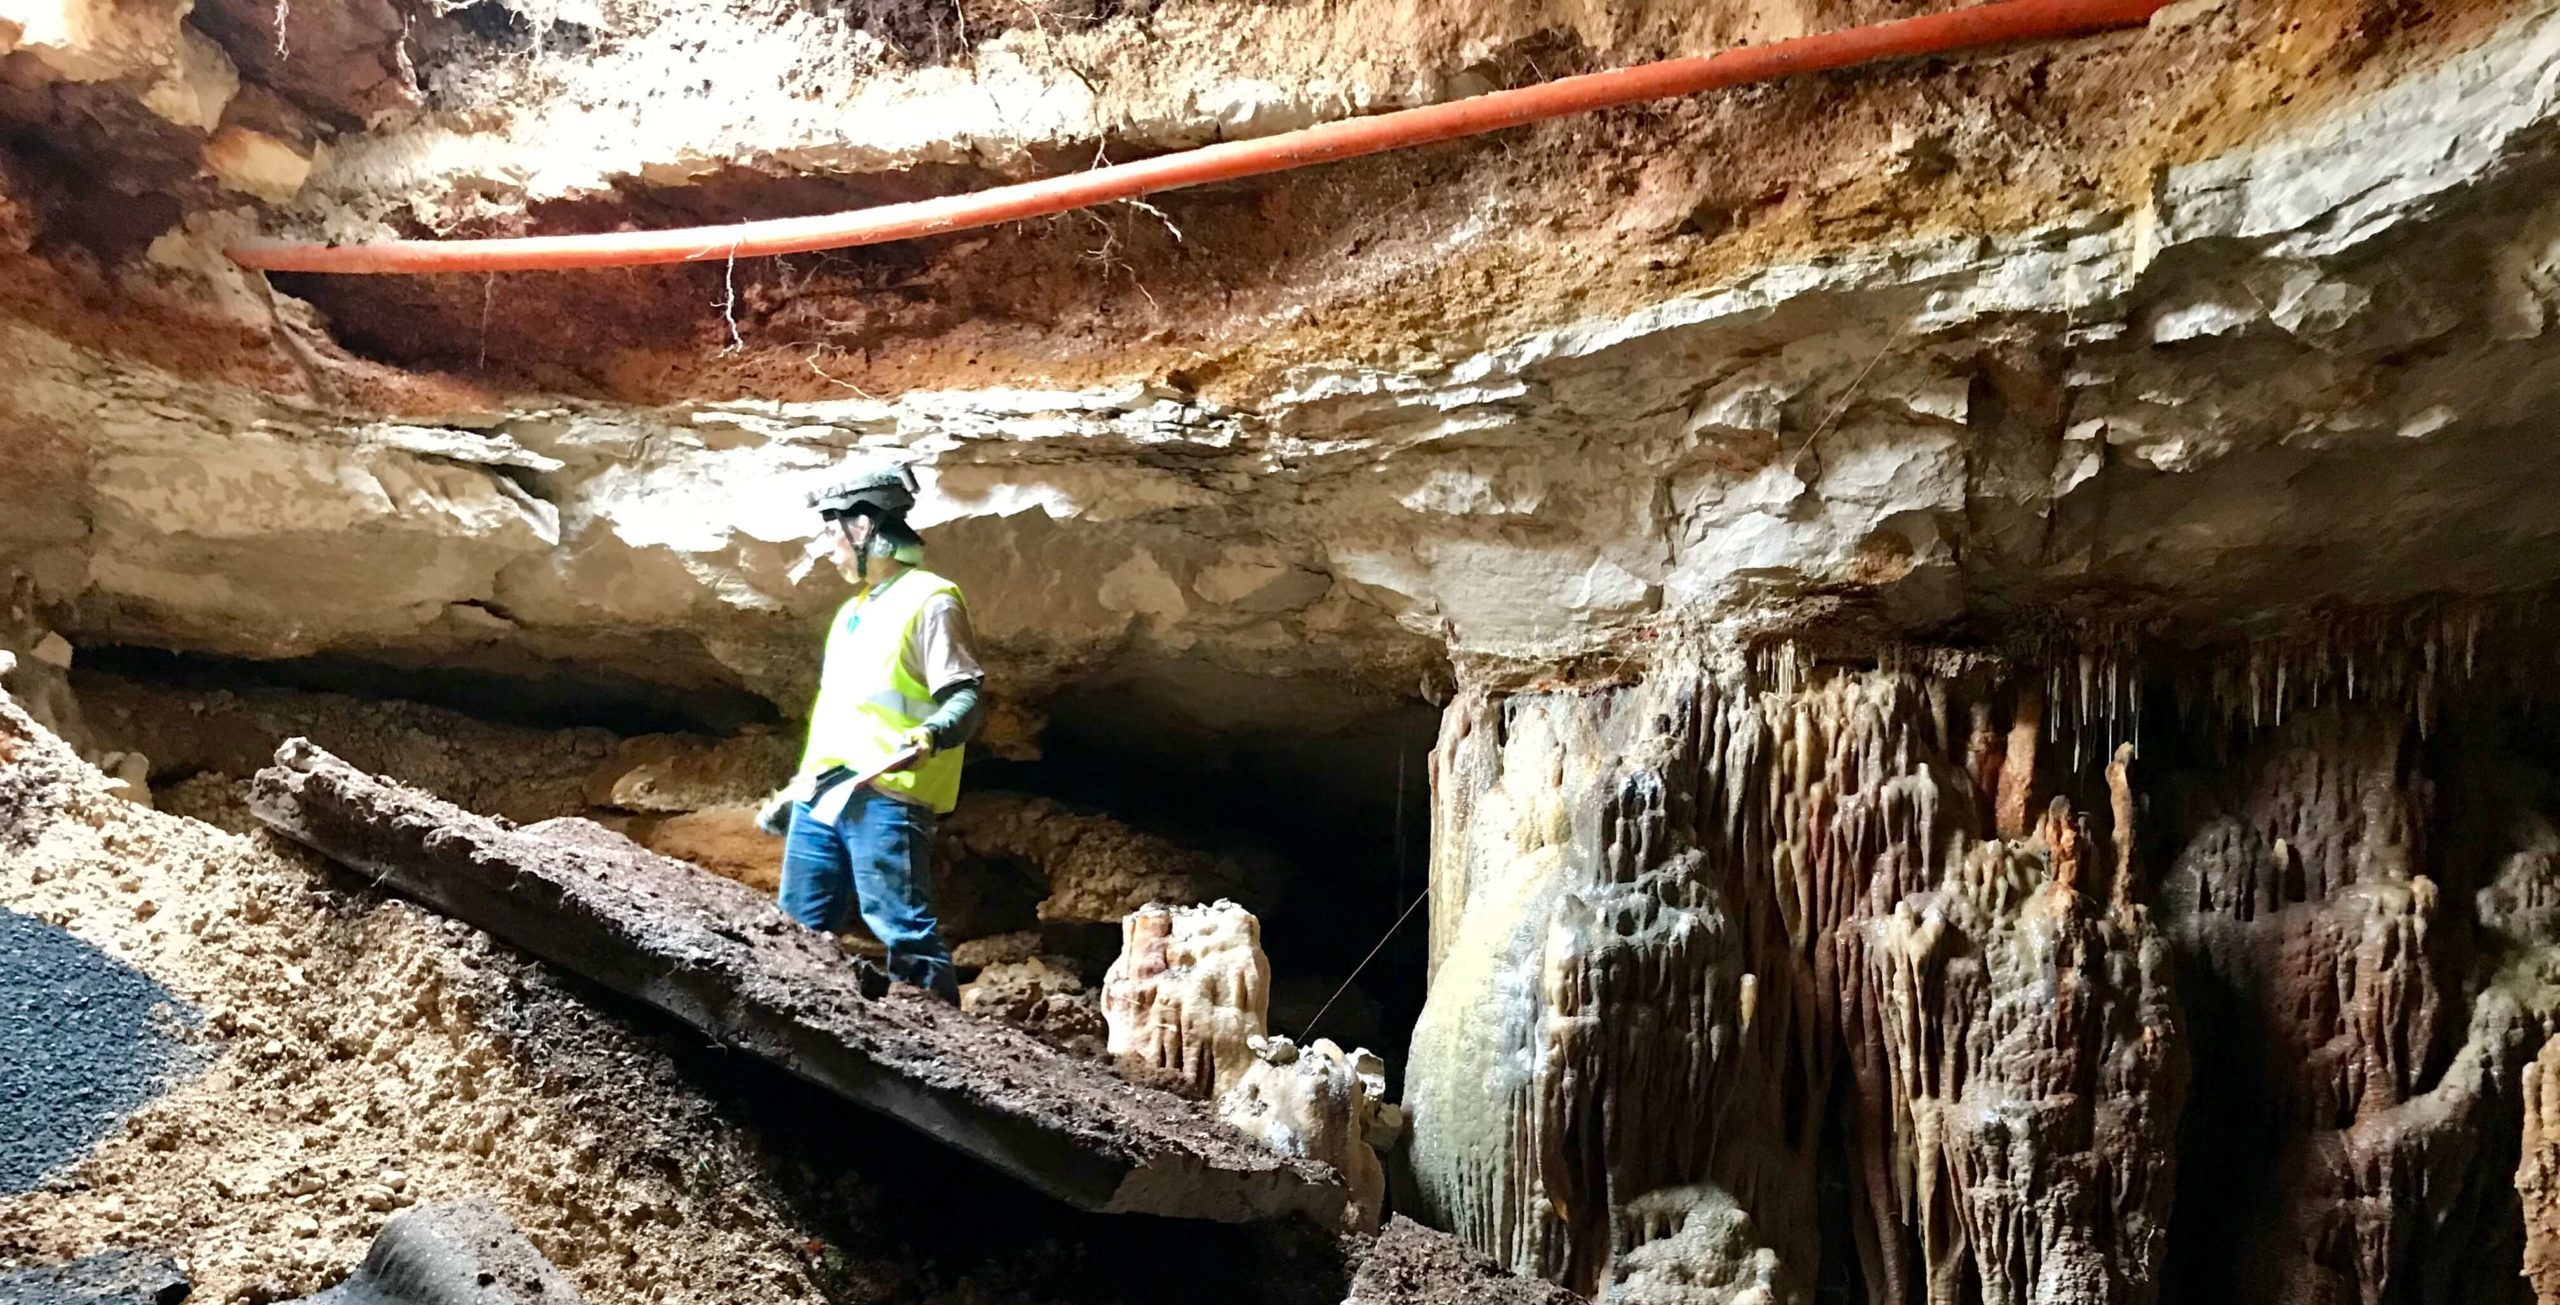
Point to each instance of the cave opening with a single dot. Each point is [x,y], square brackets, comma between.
[1323,789]
[1331,782]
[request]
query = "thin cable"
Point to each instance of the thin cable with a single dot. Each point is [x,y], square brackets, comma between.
[1400,861]
[1854,386]
[1364,961]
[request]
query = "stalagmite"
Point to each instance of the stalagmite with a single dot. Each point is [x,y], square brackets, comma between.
[1190,991]
[2023,1048]
[2122,831]
[2018,768]
[1320,1103]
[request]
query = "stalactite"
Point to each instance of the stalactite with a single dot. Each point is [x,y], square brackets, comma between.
[2403,656]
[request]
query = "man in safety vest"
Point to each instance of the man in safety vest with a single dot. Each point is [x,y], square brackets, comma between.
[900,677]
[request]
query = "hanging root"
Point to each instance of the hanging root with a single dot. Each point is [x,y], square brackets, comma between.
[729,303]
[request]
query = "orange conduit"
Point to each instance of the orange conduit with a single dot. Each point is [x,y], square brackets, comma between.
[1983,25]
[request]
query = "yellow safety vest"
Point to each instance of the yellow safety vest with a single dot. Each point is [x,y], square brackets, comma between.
[869,699]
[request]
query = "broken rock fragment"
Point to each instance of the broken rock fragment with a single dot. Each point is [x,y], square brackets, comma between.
[1320,1103]
[465,1252]
[1188,994]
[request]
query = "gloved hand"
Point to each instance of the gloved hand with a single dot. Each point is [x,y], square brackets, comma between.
[774,817]
[921,739]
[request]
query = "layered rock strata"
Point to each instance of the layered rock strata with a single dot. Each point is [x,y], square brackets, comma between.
[1963,414]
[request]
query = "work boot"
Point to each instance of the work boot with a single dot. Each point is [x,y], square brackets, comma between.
[873,981]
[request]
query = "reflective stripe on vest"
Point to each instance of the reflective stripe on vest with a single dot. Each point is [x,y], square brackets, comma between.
[868,700]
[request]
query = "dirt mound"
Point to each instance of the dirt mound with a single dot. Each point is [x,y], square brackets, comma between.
[1412,1265]
[364,1056]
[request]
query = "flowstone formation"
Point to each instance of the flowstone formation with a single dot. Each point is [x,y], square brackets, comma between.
[1927,983]
[2538,1177]
[1687,933]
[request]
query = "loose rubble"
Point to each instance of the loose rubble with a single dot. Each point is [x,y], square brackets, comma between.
[359,1056]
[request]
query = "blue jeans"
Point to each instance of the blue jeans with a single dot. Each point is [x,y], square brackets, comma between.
[879,855]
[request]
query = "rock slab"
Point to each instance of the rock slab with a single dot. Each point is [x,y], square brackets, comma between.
[719,957]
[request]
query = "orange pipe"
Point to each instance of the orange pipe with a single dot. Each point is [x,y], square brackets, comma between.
[1991,24]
